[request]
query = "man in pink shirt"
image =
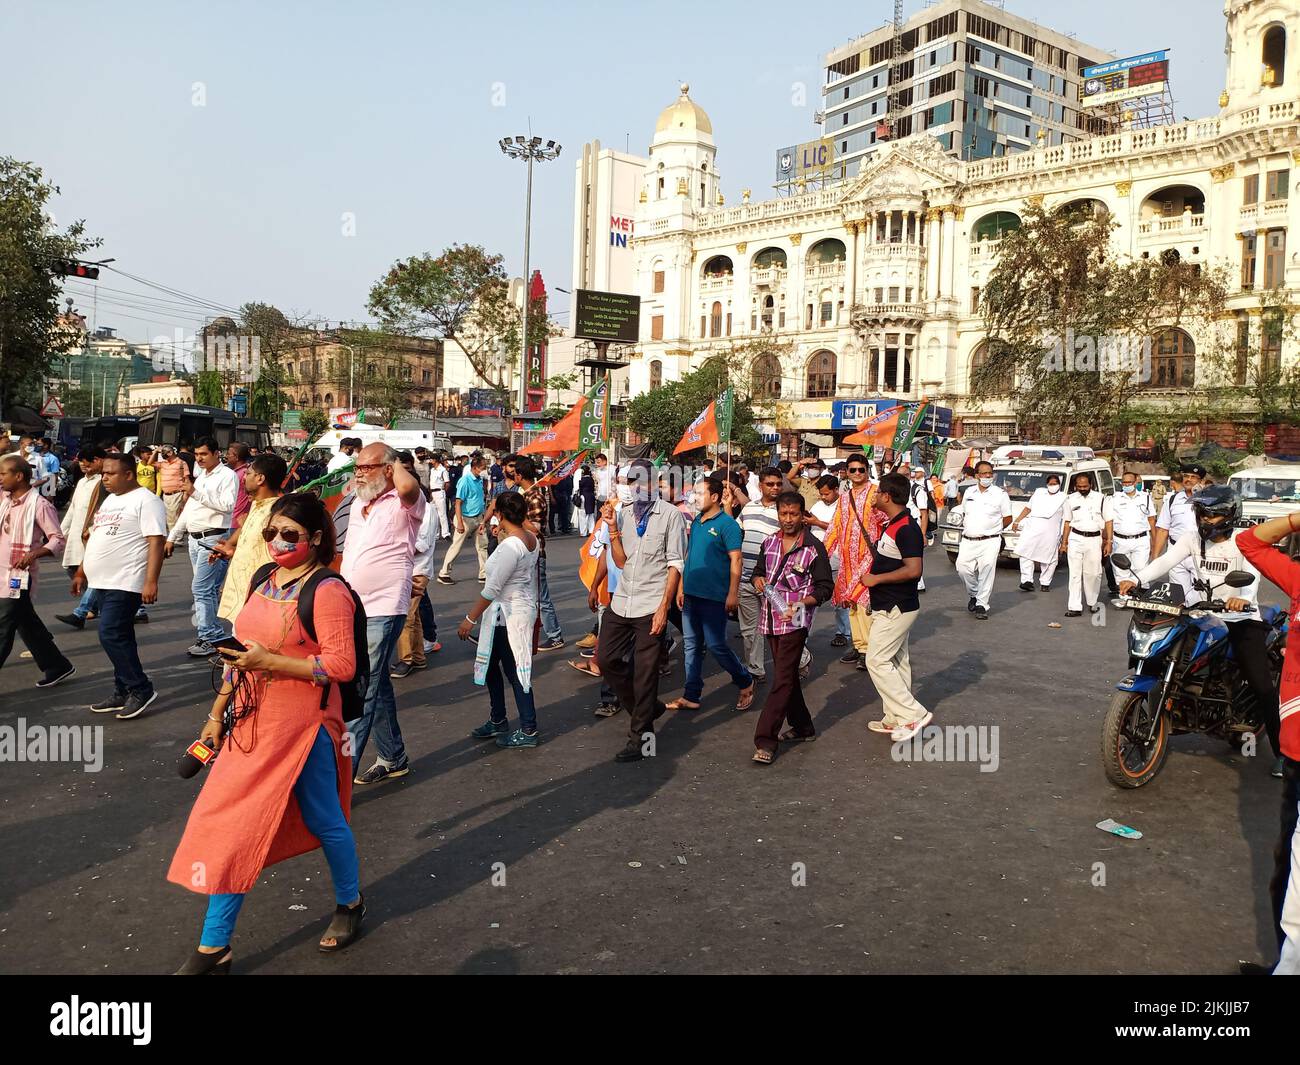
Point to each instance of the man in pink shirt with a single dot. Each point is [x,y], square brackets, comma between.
[29,532]
[378,560]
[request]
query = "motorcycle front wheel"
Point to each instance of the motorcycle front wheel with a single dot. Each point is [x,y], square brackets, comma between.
[1128,758]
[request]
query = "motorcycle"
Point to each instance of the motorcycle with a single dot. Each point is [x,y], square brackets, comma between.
[1184,677]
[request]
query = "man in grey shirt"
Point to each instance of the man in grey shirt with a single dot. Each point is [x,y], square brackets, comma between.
[648,544]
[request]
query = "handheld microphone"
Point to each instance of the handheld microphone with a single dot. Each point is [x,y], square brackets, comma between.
[196,756]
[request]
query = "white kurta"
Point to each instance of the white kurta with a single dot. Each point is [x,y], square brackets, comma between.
[1040,532]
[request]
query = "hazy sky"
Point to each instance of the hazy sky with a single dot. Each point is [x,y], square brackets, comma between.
[390,111]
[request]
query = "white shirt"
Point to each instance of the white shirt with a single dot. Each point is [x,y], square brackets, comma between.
[1045,504]
[117,553]
[1177,515]
[1220,559]
[340,459]
[823,512]
[75,519]
[211,504]
[439,478]
[512,577]
[1132,513]
[917,497]
[604,484]
[752,488]
[983,510]
[425,540]
[1088,513]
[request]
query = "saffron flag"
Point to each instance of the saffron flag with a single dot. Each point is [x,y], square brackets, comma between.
[909,420]
[559,438]
[332,487]
[878,431]
[711,426]
[562,470]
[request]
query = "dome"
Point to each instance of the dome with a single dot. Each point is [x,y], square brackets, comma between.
[684,113]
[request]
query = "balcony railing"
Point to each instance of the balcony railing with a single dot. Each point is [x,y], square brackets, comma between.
[1186,224]
[1261,215]
[825,271]
[716,282]
[888,310]
[770,275]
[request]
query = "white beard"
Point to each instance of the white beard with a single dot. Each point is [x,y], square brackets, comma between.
[368,490]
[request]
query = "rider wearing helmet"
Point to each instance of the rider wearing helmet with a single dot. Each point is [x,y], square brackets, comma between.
[1213,552]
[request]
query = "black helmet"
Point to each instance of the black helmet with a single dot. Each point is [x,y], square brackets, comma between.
[1216,500]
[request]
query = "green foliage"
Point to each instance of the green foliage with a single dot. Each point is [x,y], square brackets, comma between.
[29,292]
[661,417]
[314,422]
[209,390]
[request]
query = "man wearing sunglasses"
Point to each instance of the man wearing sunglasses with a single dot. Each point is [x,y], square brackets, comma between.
[854,527]
[378,561]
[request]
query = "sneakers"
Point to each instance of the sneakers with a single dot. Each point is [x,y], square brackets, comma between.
[114,702]
[136,705]
[862,664]
[201,649]
[400,670]
[587,652]
[56,676]
[971,604]
[71,619]
[850,658]
[444,579]
[1276,771]
[519,738]
[379,772]
[881,726]
[906,732]
[587,641]
[550,645]
[489,730]
[1026,586]
[432,646]
[1074,613]
[981,613]
[839,641]
[141,619]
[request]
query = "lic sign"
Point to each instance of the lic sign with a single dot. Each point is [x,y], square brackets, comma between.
[620,228]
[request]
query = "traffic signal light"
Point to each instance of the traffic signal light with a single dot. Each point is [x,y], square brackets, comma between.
[72,268]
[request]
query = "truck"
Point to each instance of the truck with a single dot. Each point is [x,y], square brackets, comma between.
[1019,470]
[1269,491]
[182,424]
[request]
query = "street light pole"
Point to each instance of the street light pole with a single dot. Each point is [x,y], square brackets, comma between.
[529,149]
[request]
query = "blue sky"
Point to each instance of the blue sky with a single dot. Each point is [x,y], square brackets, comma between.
[385,109]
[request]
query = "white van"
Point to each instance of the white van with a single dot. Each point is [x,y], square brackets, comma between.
[1019,476]
[398,439]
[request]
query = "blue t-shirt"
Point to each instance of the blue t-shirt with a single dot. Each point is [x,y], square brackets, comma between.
[469,490]
[708,556]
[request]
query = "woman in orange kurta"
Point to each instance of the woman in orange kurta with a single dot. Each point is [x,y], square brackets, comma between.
[281,785]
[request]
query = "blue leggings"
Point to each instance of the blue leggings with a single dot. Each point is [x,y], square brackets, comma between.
[317,792]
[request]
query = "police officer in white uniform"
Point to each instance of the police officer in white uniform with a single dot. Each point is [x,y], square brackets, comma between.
[1177,519]
[1085,539]
[918,505]
[1135,523]
[986,511]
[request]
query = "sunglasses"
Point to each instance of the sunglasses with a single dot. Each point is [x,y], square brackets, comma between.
[857,469]
[289,536]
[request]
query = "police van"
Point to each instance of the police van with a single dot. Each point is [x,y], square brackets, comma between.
[1271,491]
[1019,469]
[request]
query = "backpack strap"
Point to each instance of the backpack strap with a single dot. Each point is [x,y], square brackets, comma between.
[259,577]
[307,613]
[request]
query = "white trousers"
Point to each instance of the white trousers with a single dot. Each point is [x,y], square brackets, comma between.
[1083,553]
[1139,554]
[439,503]
[890,665]
[1045,578]
[977,561]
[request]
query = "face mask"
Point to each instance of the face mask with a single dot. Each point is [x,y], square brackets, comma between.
[986,482]
[1129,489]
[625,493]
[288,555]
[1213,530]
[1053,488]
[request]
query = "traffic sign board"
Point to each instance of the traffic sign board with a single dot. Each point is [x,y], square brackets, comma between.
[53,408]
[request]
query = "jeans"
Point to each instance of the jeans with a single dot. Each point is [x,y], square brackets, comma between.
[501,665]
[89,599]
[117,611]
[705,625]
[749,608]
[550,620]
[19,617]
[317,792]
[380,712]
[206,586]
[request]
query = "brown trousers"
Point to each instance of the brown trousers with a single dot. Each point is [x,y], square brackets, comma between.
[410,644]
[785,698]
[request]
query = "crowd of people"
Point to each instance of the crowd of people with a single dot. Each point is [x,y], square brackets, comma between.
[309,615]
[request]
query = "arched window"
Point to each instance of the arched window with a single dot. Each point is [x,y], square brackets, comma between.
[718,266]
[656,375]
[1274,56]
[1171,201]
[769,307]
[715,320]
[995,226]
[1085,210]
[329,399]
[829,250]
[288,369]
[303,401]
[1173,360]
[765,378]
[769,257]
[821,375]
[1001,385]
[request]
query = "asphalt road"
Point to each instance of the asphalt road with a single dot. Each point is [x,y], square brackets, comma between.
[685,862]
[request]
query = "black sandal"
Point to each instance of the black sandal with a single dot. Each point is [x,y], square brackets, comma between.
[200,964]
[345,927]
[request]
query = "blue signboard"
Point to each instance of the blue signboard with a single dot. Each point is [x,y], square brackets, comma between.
[848,414]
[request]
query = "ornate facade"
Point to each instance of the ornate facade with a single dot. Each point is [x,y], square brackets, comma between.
[874,283]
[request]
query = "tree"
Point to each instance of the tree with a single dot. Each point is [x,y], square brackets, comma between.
[1066,320]
[661,417]
[462,295]
[276,337]
[314,422]
[560,382]
[209,389]
[30,336]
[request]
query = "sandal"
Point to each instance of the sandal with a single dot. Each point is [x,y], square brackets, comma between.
[762,757]
[585,666]
[345,927]
[790,736]
[681,703]
[746,699]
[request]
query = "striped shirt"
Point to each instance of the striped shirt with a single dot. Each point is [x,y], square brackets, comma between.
[758,522]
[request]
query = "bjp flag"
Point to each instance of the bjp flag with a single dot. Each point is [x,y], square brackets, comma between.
[878,431]
[559,438]
[712,425]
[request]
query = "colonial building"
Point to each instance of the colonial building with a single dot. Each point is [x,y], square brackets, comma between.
[874,282]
